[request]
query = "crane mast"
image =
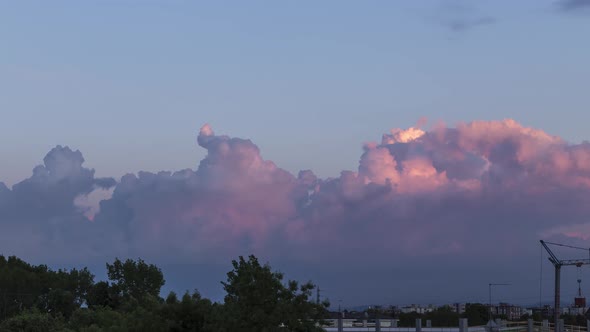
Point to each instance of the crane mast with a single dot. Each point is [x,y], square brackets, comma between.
[557,264]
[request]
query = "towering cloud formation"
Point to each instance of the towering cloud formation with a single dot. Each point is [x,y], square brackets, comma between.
[461,189]
[443,192]
[40,213]
[234,200]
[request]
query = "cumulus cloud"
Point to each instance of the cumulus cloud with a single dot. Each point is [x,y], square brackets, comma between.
[40,213]
[417,192]
[442,192]
[235,199]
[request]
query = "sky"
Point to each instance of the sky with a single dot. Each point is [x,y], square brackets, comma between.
[391,151]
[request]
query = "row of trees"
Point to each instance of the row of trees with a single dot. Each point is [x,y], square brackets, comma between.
[35,298]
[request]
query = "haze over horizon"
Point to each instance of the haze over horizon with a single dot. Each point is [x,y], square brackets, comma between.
[392,152]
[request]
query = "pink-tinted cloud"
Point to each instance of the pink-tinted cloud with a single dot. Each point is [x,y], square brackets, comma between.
[418,192]
[421,193]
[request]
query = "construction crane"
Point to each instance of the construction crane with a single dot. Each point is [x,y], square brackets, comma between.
[557,263]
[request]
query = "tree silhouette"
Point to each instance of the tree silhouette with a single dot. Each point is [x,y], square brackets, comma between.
[257,300]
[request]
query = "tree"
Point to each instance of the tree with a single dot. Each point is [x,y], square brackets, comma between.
[32,321]
[59,301]
[257,300]
[24,286]
[443,316]
[77,282]
[35,298]
[102,294]
[476,313]
[191,313]
[408,319]
[135,279]
[96,319]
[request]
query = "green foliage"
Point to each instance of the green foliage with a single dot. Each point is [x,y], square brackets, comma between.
[408,319]
[257,300]
[135,279]
[443,317]
[476,314]
[253,293]
[102,294]
[24,286]
[142,319]
[97,319]
[191,313]
[32,321]
[59,301]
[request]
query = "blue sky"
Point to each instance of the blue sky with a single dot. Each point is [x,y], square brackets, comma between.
[309,83]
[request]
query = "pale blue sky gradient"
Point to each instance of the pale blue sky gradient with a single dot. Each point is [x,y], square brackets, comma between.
[129,83]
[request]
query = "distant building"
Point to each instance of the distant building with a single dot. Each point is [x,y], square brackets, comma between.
[510,311]
[417,309]
[458,308]
[574,310]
